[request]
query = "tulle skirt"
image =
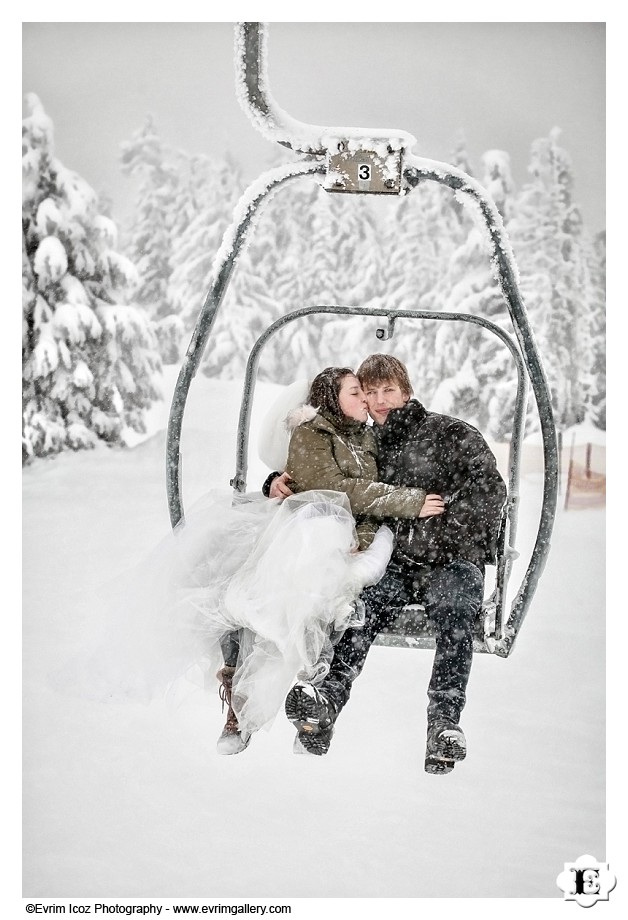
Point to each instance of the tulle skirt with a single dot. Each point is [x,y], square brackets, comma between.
[285,576]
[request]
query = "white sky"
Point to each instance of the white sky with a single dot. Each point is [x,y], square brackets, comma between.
[503,83]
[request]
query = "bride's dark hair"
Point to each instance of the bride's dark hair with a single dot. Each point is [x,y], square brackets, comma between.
[325,388]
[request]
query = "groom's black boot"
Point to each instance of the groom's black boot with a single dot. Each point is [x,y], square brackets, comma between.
[313,715]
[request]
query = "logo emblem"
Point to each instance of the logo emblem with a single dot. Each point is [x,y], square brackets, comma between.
[586,881]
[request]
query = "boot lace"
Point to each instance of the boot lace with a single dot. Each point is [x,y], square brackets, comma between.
[224,692]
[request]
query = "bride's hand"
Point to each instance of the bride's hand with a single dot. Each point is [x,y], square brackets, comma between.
[279,487]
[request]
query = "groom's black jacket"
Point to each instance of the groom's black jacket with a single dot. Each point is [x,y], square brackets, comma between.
[447,456]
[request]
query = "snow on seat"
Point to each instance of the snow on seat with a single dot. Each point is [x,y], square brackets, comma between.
[411,628]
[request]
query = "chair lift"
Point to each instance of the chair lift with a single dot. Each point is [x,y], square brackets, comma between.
[379,162]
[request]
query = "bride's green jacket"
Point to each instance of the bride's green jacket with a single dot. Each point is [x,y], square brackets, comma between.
[342,457]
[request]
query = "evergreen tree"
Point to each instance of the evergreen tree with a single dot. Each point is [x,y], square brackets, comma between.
[304,275]
[352,243]
[250,302]
[209,189]
[596,402]
[88,361]
[423,236]
[548,237]
[158,217]
[468,285]
[432,225]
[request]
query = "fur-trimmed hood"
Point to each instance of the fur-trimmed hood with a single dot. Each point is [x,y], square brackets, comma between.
[307,413]
[298,416]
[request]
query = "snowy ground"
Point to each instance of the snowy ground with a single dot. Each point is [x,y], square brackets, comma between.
[131,801]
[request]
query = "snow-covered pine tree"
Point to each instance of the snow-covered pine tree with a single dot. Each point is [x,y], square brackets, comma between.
[250,302]
[423,231]
[595,407]
[353,244]
[461,160]
[467,352]
[358,276]
[161,211]
[547,235]
[303,275]
[88,359]
[209,190]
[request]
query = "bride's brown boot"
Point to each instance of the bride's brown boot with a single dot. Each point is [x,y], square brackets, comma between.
[231,740]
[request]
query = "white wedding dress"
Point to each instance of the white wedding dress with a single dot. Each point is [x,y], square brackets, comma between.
[285,575]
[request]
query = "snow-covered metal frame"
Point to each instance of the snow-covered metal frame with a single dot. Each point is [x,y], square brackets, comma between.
[333,157]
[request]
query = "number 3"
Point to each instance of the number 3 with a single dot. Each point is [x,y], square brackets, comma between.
[364,171]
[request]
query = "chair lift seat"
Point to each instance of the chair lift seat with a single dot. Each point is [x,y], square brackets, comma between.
[410,628]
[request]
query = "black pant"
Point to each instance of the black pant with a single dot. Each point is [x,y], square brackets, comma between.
[452,595]
[230,647]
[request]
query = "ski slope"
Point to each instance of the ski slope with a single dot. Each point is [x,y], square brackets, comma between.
[131,801]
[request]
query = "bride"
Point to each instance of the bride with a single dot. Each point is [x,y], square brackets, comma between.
[259,588]
[299,587]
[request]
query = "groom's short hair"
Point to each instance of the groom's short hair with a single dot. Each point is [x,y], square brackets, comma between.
[378,369]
